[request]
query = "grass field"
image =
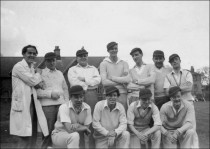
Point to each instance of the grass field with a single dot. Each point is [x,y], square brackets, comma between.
[202,117]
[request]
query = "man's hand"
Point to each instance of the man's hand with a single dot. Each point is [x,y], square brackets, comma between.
[55,95]
[81,78]
[112,134]
[109,77]
[38,70]
[124,74]
[87,131]
[41,85]
[171,138]
[74,126]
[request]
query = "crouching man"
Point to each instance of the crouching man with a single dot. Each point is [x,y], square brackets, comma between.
[177,118]
[139,115]
[109,122]
[73,120]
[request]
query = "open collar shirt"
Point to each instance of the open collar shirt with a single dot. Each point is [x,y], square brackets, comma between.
[105,120]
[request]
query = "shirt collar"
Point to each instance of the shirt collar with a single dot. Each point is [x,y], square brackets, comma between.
[25,64]
[84,107]
[108,59]
[88,66]
[48,70]
[173,72]
[116,106]
[143,64]
[139,104]
[182,106]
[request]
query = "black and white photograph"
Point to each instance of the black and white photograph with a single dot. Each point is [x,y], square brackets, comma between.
[104,74]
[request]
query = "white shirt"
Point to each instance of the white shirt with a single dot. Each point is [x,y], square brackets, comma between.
[90,73]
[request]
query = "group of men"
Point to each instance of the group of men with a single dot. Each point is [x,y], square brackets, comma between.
[146,102]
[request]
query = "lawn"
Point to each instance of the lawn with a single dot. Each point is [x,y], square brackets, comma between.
[202,117]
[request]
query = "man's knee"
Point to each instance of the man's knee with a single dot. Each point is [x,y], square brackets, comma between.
[126,134]
[157,134]
[190,132]
[73,137]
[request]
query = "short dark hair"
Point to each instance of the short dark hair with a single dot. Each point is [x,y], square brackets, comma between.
[110,45]
[24,50]
[136,49]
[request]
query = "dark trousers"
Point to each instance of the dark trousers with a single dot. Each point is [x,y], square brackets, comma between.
[30,142]
[159,101]
[91,98]
[51,116]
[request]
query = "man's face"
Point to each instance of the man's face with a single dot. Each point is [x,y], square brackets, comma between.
[77,100]
[145,102]
[112,98]
[82,59]
[175,63]
[137,57]
[50,63]
[30,55]
[158,60]
[176,100]
[113,51]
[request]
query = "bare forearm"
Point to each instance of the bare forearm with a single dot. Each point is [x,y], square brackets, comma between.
[133,129]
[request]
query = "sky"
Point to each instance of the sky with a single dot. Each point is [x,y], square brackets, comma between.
[180,27]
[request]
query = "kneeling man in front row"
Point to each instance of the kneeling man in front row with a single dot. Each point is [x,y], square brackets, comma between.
[176,116]
[73,120]
[109,122]
[139,115]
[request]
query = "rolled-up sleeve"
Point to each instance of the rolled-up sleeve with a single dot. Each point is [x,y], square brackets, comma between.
[64,113]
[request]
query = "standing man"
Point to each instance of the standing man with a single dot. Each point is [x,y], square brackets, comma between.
[139,116]
[88,77]
[26,110]
[161,71]
[142,76]
[109,122]
[55,94]
[183,79]
[73,121]
[176,116]
[114,72]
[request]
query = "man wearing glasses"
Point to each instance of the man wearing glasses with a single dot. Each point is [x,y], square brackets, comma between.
[86,76]
[26,110]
